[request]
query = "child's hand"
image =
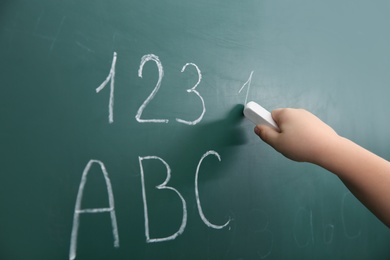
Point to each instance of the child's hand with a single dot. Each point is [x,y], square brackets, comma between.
[303,137]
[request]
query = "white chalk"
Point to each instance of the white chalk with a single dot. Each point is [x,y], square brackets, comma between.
[259,115]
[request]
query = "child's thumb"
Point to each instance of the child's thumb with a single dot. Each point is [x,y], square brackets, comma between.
[267,134]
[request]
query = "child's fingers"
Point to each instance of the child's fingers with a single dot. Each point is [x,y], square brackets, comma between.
[267,134]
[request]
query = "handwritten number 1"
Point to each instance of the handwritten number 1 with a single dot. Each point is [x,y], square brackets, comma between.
[247,83]
[111,76]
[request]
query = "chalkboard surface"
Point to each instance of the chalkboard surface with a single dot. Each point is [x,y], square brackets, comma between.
[122,135]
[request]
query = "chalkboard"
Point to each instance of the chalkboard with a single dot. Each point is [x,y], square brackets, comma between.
[122,135]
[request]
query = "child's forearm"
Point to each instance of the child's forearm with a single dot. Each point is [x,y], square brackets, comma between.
[304,137]
[365,174]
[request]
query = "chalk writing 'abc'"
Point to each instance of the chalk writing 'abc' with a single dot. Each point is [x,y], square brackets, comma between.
[111,209]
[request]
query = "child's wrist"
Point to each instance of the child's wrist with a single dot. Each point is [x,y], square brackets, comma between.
[327,152]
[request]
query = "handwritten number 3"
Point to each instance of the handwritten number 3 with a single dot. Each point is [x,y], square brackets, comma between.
[152,57]
[193,90]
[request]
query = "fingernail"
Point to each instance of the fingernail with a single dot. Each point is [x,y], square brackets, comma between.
[257,130]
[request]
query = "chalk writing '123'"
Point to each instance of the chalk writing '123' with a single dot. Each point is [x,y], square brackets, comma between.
[144,60]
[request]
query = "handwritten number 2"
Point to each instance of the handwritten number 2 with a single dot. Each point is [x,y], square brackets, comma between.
[146,58]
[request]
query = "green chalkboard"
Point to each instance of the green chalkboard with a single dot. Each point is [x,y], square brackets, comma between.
[122,135]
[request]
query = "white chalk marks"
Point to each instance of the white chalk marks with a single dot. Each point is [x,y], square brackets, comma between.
[110,77]
[145,59]
[57,35]
[328,233]
[270,238]
[193,90]
[259,233]
[343,219]
[152,57]
[163,186]
[303,227]
[306,233]
[201,214]
[111,209]
[160,187]
[248,84]
[78,210]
